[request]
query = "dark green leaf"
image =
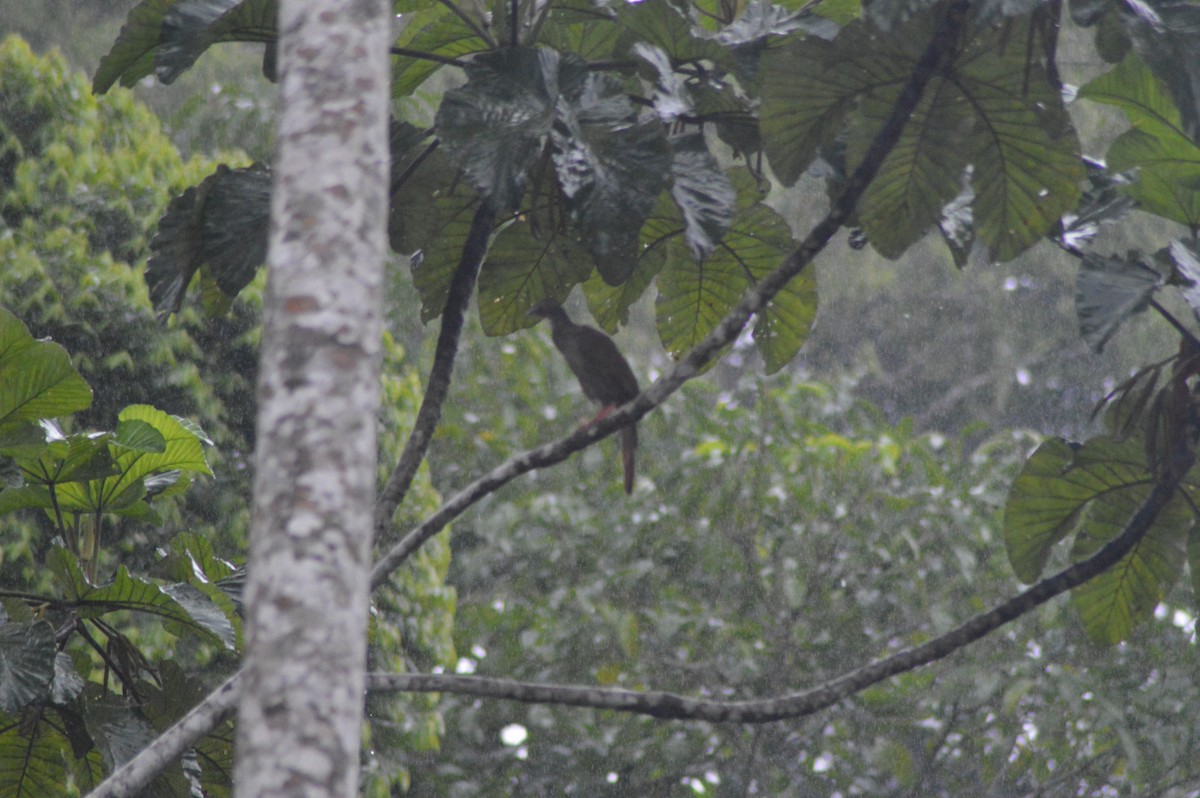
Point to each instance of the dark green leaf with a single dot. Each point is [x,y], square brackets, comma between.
[37,379]
[436,31]
[1166,34]
[34,764]
[702,191]
[26,664]
[610,167]
[1166,159]
[521,270]
[185,35]
[127,592]
[496,124]
[116,727]
[219,226]
[1107,292]
[132,55]
[434,265]
[67,682]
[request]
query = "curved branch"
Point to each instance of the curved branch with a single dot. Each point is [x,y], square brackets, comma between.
[423,56]
[940,50]
[671,706]
[462,285]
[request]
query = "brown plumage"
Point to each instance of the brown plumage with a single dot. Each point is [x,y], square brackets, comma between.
[602,370]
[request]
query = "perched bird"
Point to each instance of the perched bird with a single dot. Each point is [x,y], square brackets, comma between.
[603,372]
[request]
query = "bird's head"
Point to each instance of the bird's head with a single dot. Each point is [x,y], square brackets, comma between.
[544,309]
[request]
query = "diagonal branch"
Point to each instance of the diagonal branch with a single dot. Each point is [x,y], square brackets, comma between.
[939,52]
[671,706]
[462,285]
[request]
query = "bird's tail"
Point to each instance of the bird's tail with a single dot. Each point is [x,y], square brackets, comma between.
[628,447]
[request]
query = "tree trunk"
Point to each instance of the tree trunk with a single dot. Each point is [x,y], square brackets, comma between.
[300,713]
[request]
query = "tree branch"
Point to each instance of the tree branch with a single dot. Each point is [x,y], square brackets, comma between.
[462,286]
[423,56]
[941,48]
[132,777]
[672,706]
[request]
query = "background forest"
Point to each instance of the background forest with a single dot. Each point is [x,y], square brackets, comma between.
[785,527]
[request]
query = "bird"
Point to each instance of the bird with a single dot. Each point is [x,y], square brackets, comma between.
[603,372]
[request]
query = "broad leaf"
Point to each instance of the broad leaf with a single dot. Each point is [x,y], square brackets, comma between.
[702,191]
[694,297]
[1166,34]
[117,729]
[1158,147]
[436,31]
[219,226]
[182,451]
[435,263]
[185,35]
[34,765]
[611,168]
[177,605]
[524,268]
[1093,491]
[496,124]
[131,57]
[37,379]
[998,113]
[1111,604]
[26,664]
[1107,292]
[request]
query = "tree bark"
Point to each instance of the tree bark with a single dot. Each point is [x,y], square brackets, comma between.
[300,712]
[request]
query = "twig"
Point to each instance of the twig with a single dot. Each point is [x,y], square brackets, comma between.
[423,56]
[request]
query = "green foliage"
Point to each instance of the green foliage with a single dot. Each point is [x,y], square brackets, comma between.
[81,184]
[781,533]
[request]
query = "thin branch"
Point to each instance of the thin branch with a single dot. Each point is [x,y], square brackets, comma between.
[470,23]
[672,706]
[942,47]
[462,285]
[423,56]
[411,169]
[1176,323]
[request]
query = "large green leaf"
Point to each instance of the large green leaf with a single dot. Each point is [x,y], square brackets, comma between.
[523,268]
[496,124]
[1166,34]
[440,249]
[181,451]
[611,167]
[181,607]
[131,57]
[26,664]
[34,764]
[37,379]
[693,297]
[1111,604]
[1092,491]
[436,31]
[1158,147]
[1108,291]
[994,109]
[218,227]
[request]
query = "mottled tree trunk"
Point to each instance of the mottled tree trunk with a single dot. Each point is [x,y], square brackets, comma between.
[301,704]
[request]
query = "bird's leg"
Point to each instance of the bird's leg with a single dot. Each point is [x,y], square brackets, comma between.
[605,411]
